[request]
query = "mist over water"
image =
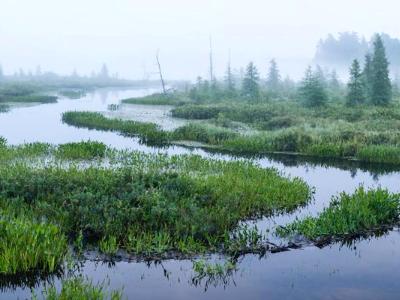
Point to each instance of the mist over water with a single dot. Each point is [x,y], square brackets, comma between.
[61,36]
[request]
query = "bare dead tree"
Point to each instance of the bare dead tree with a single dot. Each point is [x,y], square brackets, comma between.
[160,73]
[211,62]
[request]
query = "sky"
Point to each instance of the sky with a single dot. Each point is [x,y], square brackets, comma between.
[63,35]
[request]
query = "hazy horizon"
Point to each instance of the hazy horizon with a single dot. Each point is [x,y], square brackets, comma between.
[61,36]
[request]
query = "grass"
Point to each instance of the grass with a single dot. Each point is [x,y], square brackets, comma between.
[147,132]
[157,99]
[83,150]
[4,108]
[146,204]
[349,215]
[78,288]
[369,134]
[28,245]
[72,94]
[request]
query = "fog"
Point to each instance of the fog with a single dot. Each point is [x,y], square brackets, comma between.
[63,35]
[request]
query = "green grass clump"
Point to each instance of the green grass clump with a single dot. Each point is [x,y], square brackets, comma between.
[82,150]
[147,132]
[30,99]
[198,112]
[157,99]
[4,108]
[27,245]
[381,153]
[150,203]
[78,288]
[72,94]
[208,134]
[349,215]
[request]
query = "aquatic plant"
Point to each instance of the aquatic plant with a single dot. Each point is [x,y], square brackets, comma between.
[28,245]
[82,150]
[349,215]
[29,99]
[72,94]
[150,204]
[147,132]
[108,245]
[157,99]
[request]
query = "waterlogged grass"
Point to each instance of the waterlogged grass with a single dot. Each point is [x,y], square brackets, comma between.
[4,108]
[72,94]
[82,150]
[147,132]
[206,133]
[349,215]
[29,99]
[28,245]
[78,288]
[385,154]
[157,99]
[149,204]
[331,132]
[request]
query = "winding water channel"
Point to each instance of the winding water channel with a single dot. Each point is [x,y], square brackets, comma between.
[366,269]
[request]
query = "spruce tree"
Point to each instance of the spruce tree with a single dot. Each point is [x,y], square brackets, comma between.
[229,81]
[312,90]
[355,94]
[273,78]
[381,89]
[367,77]
[250,88]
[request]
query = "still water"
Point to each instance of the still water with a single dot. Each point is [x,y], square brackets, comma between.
[367,269]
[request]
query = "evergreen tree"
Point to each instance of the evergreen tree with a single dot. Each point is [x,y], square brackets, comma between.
[104,72]
[320,75]
[333,82]
[381,89]
[273,78]
[250,87]
[229,81]
[312,90]
[355,94]
[367,76]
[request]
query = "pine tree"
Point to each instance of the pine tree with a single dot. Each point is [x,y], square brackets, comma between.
[355,94]
[381,89]
[367,77]
[229,81]
[312,89]
[250,87]
[273,78]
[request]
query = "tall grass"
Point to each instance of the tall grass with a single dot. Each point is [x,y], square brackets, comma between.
[157,99]
[82,150]
[349,215]
[28,245]
[147,132]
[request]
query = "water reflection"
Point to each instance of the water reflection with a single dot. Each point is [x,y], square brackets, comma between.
[364,268]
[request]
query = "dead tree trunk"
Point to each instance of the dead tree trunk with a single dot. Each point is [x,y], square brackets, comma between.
[160,73]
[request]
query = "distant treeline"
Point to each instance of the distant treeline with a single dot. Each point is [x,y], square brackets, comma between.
[341,50]
[95,80]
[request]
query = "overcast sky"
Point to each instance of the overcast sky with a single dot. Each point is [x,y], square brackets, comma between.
[61,35]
